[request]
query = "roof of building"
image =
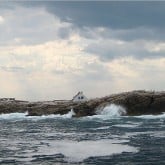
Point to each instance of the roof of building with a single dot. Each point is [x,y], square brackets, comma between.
[80,92]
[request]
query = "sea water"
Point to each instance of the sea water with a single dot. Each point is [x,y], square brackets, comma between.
[104,139]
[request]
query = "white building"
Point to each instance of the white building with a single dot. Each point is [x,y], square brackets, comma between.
[79,97]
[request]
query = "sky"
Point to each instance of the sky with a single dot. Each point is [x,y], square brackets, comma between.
[51,50]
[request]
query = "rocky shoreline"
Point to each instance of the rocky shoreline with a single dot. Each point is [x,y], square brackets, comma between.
[135,103]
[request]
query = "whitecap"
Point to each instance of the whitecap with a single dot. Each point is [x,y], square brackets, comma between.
[127,125]
[151,116]
[109,112]
[65,116]
[11,116]
[101,128]
[23,116]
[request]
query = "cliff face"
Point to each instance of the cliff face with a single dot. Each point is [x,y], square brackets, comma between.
[135,103]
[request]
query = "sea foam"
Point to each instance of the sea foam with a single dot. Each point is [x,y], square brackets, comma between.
[23,116]
[109,112]
[113,110]
[13,116]
[75,151]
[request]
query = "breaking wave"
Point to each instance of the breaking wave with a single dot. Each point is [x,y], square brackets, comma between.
[113,110]
[22,116]
[13,116]
[110,111]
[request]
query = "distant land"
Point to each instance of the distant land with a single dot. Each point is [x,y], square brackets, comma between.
[134,102]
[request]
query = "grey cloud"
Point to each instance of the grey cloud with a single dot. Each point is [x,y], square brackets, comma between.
[7,5]
[120,15]
[30,25]
[113,15]
[124,34]
[109,50]
[140,33]
[126,20]
[64,33]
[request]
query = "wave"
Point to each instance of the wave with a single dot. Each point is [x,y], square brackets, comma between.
[13,116]
[113,110]
[109,112]
[151,116]
[22,116]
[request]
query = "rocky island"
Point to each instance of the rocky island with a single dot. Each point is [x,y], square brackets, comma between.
[134,102]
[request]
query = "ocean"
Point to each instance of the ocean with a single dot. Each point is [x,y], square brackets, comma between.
[103,139]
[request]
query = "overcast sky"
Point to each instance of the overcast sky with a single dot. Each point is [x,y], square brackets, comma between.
[51,50]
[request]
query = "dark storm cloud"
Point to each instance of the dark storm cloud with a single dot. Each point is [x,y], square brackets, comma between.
[120,15]
[148,16]
[124,34]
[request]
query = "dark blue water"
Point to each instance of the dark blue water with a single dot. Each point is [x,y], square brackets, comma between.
[98,140]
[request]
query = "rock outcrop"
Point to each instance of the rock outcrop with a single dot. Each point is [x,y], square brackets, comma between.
[135,103]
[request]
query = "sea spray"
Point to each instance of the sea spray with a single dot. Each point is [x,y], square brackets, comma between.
[109,112]
[69,114]
[112,110]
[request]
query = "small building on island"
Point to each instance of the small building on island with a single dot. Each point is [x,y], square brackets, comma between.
[79,97]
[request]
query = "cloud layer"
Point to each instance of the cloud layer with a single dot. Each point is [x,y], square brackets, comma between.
[51,50]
